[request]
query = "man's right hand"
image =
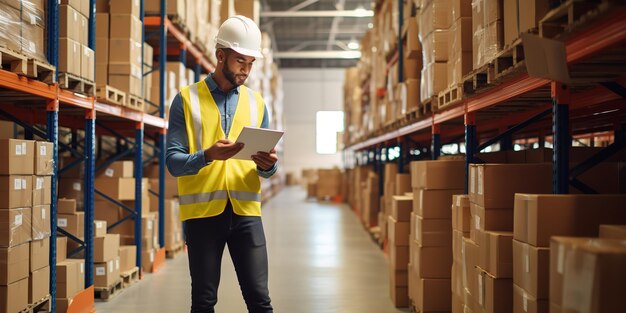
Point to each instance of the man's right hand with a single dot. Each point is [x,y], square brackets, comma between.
[222,150]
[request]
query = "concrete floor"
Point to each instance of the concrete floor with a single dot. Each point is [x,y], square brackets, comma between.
[321,261]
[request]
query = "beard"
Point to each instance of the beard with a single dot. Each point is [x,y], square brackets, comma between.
[236,80]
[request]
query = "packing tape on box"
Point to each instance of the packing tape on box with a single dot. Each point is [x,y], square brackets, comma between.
[578,281]
[463,258]
[526,258]
[560,260]
[480,179]
[481,291]
[111,266]
[117,264]
[525,301]
[472,179]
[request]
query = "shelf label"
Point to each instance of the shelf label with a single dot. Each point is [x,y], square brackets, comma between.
[76,186]
[480,180]
[62,222]
[111,266]
[109,172]
[43,151]
[17,184]
[23,148]
[151,256]
[23,182]
[117,264]
[18,149]
[43,213]
[149,225]
[98,224]
[82,268]
[100,271]
[39,184]
[18,220]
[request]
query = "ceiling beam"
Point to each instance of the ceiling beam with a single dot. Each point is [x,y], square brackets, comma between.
[318,55]
[301,5]
[342,13]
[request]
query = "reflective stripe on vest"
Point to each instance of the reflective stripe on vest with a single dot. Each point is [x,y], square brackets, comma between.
[203,197]
[196,114]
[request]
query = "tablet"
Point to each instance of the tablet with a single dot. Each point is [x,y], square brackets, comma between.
[255,140]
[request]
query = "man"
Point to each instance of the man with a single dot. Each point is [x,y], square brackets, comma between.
[220,197]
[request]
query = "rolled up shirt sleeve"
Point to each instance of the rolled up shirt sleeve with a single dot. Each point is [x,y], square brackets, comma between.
[178,159]
[269,173]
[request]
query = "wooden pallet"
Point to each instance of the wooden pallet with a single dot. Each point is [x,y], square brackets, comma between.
[13,62]
[110,95]
[43,305]
[77,84]
[134,103]
[426,108]
[450,96]
[41,71]
[569,15]
[173,253]
[510,61]
[479,79]
[129,277]
[107,293]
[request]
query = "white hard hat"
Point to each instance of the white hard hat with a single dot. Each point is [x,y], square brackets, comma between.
[240,34]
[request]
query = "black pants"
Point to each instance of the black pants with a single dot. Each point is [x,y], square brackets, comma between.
[206,238]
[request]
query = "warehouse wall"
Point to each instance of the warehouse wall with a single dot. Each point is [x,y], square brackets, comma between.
[307,91]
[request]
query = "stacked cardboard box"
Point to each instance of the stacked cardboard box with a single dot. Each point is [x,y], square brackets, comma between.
[395,184]
[587,274]
[488,31]
[328,183]
[460,229]
[370,200]
[492,200]
[460,42]
[173,226]
[70,276]
[522,16]
[23,27]
[75,57]
[434,22]
[434,183]
[106,257]
[25,167]
[539,217]
[398,230]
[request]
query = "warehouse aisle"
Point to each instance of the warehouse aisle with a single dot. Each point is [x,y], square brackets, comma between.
[321,260]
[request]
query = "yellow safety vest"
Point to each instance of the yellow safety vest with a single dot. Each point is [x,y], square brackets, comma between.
[206,193]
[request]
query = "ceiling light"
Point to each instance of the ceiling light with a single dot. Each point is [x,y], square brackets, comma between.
[370,25]
[360,11]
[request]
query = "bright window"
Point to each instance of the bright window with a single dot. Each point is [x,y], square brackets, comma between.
[328,124]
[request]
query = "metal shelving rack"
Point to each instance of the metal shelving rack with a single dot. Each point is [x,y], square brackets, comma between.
[24,100]
[520,107]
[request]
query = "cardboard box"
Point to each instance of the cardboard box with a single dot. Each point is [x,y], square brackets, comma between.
[102,52]
[398,257]
[40,220]
[106,273]
[531,266]
[538,217]
[125,7]
[87,63]
[399,296]
[594,278]
[67,279]
[72,188]
[435,14]
[458,305]
[79,267]
[559,247]
[461,213]
[16,191]
[433,262]
[401,208]
[61,249]
[437,175]
[76,4]
[14,297]
[119,169]
[66,206]
[398,232]
[496,253]
[490,219]
[39,284]
[69,23]
[106,248]
[41,190]
[100,228]
[17,157]
[433,295]
[458,67]
[434,204]
[43,158]
[147,260]
[496,189]
[124,26]
[531,12]
[174,7]
[102,28]
[102,73]
[433,232]
[64,303]
[39,254]
[172,215]
[69,52]
[398,278]
[456,280]
[413,45]
[494,294]
[174,239]
[403,183]
[14,264]
[128,257]
[613,232]
[126,83]
[117,188]
[461,8]
[526,303]
[435,46]
[126,51]
[16,227]
[72,223]
[511,21]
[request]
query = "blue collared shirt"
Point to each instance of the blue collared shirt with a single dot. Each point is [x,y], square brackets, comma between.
[178,160]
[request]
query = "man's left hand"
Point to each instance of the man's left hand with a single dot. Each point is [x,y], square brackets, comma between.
[265,161]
